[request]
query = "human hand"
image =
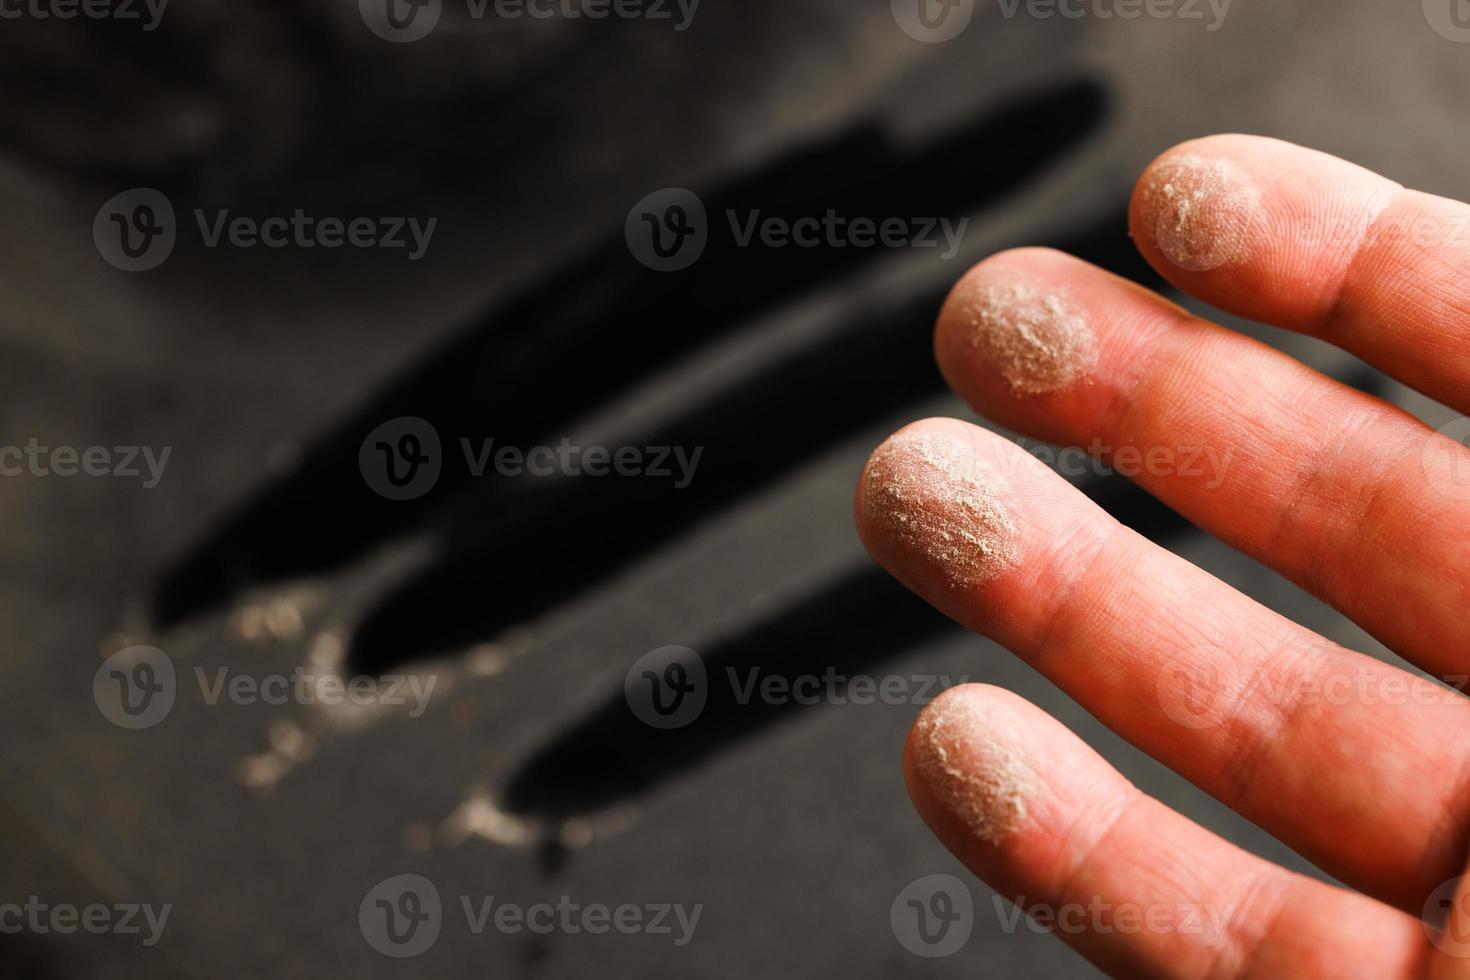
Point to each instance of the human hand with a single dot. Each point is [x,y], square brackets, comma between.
[1356,764]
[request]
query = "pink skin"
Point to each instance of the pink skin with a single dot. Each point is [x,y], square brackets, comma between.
[1358,765]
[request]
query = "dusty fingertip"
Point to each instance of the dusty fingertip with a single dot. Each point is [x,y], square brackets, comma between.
[1201,212]
[1025,330]
[928,504]
[968,749]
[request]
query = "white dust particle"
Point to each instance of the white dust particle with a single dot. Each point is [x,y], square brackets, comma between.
[1201,211]
[929,496]
[969,757]
[1031,335]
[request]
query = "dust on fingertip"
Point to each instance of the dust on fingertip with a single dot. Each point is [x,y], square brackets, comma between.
[935,503]
[1201,211]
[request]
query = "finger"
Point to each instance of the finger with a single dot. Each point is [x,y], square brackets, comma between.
[1356,764]
[1290,236]
[1130,884]
[1343,493]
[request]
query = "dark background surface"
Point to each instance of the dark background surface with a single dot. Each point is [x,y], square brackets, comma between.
[527,321]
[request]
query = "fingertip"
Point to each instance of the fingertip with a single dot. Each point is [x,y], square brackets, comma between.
[970,765]
[1011,318]
[1196,207]
[931,507]
[1258,226]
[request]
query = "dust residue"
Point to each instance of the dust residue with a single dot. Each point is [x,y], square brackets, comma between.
[1201,211]
[937,502]
[968,755]
[1030,334]
[481,817]
[290,747]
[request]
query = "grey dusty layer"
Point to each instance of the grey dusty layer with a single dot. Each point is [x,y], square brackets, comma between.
[933,500]
[1030,334]
[1202,211]
[967,753]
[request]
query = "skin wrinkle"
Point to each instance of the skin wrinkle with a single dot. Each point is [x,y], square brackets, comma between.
[1245,765]
[1313,575]
[1128,799]
[1246,943]
[1066,600]
[1448,836]
[1067,885]
[1258,752]
[1031,334]
[968,755]
[1320,470]
[938,503]
[1157,361]
[1336,311]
